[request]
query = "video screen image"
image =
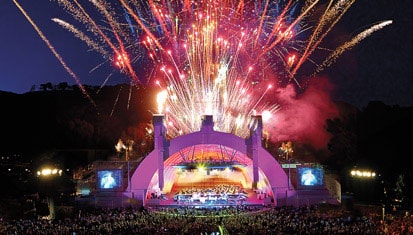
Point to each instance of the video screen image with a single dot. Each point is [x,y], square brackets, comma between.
[109,179]
[310,176]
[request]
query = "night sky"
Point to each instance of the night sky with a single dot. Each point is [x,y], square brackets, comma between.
[378,68]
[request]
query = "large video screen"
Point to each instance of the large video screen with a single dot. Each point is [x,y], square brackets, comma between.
[109,179]
[310,177]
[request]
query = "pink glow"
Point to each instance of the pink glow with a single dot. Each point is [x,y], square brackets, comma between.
[302,117]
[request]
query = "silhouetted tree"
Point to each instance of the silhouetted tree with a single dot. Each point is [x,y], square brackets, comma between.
[343,144]
[46,86]
[62,86]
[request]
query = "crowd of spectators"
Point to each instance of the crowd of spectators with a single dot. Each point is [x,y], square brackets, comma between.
[211,221]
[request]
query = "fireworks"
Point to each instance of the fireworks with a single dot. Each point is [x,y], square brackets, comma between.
[212,57]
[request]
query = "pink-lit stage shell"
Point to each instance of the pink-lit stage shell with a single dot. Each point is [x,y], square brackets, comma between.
[155,172]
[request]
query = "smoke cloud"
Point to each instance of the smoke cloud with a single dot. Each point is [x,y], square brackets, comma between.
[302,117]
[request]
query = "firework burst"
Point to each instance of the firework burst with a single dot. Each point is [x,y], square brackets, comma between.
[211,57]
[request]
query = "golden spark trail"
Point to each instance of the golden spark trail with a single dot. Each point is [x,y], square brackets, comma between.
[302,15]
[261,22]
[141,24]
[108,41]
[348,45]
[278,22]
[43,37]
[336,13]
[79,34]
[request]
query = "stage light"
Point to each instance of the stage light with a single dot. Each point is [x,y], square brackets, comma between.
[363,173]
[49,172]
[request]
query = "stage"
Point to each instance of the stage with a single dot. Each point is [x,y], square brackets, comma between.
[249,198]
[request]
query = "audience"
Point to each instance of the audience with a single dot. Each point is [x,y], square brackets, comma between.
[211,221]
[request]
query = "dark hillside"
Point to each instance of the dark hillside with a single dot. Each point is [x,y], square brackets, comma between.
[67,119]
